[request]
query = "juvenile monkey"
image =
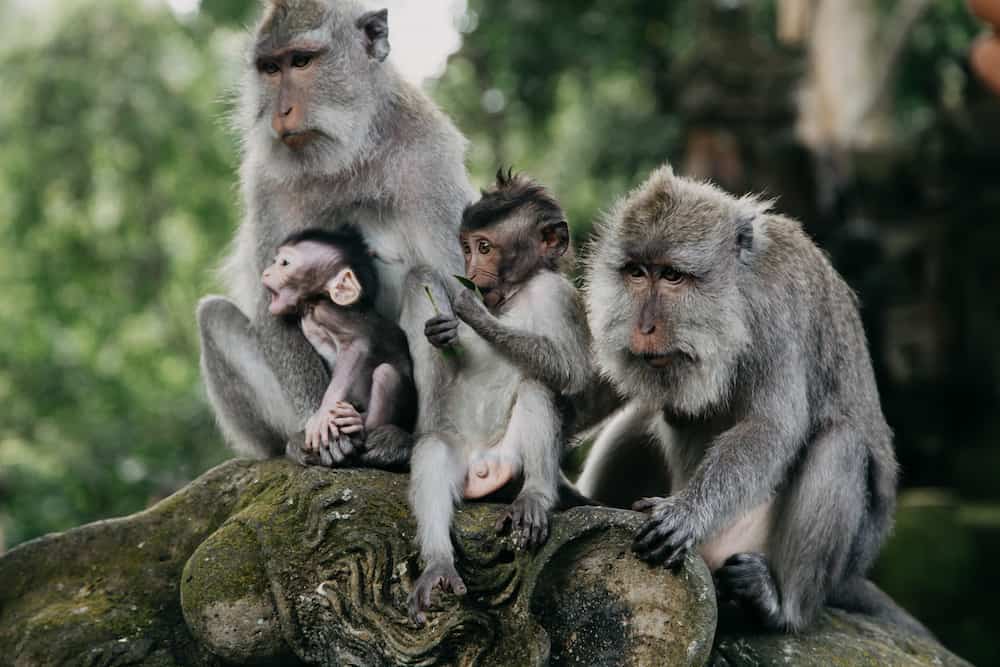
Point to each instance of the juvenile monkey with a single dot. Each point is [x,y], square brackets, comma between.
[330,134]
[328,280]
[520,347]
[753,402]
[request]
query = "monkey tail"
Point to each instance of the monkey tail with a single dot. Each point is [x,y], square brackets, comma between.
[569,496]
[860,596]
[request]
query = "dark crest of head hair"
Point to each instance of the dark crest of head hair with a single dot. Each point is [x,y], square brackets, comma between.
[349,240]
[511,193]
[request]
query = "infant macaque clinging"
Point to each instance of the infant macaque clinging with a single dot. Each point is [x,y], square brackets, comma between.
[522,346]
[328,280]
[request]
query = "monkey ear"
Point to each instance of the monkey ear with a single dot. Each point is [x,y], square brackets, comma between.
[344,288]
[744,239]
[375,25]
[555,239]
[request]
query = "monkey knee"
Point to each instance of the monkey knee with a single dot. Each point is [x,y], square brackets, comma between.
[421,275]
[216,314]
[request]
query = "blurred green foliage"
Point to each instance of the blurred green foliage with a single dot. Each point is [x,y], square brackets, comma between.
[118,195]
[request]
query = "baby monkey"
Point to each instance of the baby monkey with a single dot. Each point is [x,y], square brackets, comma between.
[328,280]
[521,347]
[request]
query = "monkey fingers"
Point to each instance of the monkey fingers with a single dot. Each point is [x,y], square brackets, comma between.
[646,504]
[746,579]
[347,419]
[441,330]
[529,521]
[441,575]
[468,307]
[666,536]
[295,449]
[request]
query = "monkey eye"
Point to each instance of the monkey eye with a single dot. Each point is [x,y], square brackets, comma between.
[634,271]
[466,249]
[285,262]
[484,247]
[301,60]
[268,67]
[672,275]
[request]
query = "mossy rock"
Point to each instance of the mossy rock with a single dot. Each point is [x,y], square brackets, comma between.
[271,563]
[837,639]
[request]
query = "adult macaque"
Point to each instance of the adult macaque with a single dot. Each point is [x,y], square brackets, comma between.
[520,348]
[331,135]
[328,281]
[743,354]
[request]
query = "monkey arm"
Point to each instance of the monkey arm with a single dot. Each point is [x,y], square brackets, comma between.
[350,364]
[741,467]
[559,360]
[746,463]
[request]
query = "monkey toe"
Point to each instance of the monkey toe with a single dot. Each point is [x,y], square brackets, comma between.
[646,504]
[745,577]
[438,575]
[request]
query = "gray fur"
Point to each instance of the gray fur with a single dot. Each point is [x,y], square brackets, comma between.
[492,404]
[771,406]
[396,170]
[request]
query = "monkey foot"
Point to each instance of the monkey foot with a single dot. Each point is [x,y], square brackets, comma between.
[528,517]
[486,476]
[746,580]
[442,575]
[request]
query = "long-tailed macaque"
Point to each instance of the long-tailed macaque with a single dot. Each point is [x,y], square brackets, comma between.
[753,402]
[512,354]
[331,134]
[328,281]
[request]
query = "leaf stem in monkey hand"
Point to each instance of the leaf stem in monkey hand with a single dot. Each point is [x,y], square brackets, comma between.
[454,350]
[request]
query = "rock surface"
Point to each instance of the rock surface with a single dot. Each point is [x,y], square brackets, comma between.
[270,563]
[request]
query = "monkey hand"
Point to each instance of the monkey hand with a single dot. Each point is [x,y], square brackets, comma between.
[668,534]
[296,450]
[469,308]
[441,330]
[528,516]
[323,439]
[351,425]
[438,574]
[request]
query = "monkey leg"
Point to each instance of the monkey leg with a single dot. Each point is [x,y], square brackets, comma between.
[257,392]
[437,473]
[387,447]
[811,546]
[625,463]
[532,438]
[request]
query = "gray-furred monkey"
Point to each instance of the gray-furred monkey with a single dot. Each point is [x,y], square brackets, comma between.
[519,349]
[331,134]
[327,280]
[752,400]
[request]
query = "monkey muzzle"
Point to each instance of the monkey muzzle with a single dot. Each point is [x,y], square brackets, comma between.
[298,140]
[661,360]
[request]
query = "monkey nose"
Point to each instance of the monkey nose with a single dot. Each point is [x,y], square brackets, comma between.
[288,111]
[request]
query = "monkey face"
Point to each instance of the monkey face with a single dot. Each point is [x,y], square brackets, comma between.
[283,281]
[484,254]
[314,87]
[653,288]
[664,290]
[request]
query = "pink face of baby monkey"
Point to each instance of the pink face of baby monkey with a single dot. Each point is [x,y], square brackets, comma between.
[307,269]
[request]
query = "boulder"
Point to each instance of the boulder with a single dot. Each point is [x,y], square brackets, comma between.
[271,563]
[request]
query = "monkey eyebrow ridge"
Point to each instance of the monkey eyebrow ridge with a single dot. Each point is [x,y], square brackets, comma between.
[268,51]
